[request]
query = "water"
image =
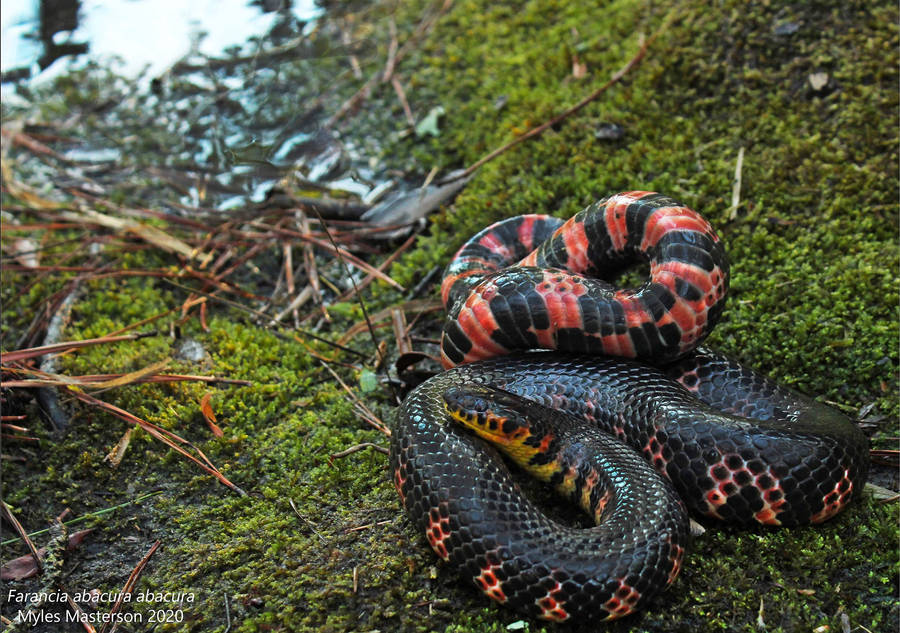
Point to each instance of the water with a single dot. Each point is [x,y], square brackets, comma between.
[230,131]
[135,37]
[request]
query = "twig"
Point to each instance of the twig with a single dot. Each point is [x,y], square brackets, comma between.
[312,270]
[392,52]
[266,318]
[736,187]
[401,336]
[382,267]
[401,94]
[359,447]
[368,526]
[419,305]
[9,516]
[331,246]
[146,232]
[362,304]
[34,352]
[307,521]
[105,381]
[129,586]
[227,615]
[82,616]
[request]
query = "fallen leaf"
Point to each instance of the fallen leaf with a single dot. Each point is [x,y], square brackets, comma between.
[23,567]
[115,456]
[209,416]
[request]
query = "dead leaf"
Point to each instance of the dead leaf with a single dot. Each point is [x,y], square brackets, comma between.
[115,456]
[209,416]
[23,567]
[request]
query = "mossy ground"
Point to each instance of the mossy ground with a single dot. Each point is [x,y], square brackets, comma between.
[814,303]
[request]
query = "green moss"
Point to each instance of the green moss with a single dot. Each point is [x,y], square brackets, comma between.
[814,303]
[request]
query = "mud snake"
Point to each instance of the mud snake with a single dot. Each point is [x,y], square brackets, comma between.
[727,442]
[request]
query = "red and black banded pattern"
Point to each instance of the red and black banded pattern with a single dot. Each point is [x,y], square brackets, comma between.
[511,287]
[732,444]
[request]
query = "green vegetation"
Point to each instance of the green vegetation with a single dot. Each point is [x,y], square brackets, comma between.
[814,303]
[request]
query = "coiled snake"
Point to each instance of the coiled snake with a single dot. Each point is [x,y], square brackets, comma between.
[715,438]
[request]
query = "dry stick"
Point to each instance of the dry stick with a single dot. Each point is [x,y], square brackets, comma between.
[83,617]
[19,438]
[10,517]
[288,254]
[382,267]
[401,337]
[219,276]
[401,94]
[298,301]
[392,52]
[424,305]
[50,378]
[332,247]
[32,352]
[354,62]
[307,521]
[37,226]
[348,257]
[95,381]
[362,304]
[359,447]
[153,318]
[634,61]
[736,187]
[129,586]
[312,270]
[32,144]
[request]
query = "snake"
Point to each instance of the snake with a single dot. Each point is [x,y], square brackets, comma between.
[609,395]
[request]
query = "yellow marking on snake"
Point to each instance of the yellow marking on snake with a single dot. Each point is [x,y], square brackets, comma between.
[489,426]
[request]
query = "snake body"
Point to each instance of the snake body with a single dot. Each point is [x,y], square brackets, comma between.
[725,441]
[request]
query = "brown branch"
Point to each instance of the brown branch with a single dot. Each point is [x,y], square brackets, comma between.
[129,586]
[359,447]
[95,381]
[10,517]
[34,352]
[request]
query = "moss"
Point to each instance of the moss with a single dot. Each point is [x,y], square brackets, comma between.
[814,303]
